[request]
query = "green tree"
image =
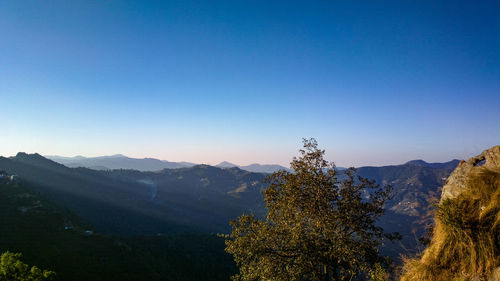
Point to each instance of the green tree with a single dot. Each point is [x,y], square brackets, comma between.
[13,269]
[320,225]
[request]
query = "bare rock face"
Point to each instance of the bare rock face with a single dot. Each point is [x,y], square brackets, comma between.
[456,182]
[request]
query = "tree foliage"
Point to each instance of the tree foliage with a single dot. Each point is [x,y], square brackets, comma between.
[13,269]
[320,225]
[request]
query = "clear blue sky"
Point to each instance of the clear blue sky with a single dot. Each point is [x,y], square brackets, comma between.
[375,82]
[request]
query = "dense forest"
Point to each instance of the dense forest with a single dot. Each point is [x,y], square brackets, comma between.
[52,237]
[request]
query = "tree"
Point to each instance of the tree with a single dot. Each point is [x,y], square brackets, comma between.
[320,225]
[13,269]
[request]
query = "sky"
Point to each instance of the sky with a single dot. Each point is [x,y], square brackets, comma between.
[374,82]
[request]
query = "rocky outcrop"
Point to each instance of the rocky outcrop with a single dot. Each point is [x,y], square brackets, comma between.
[466,233]
[456,182]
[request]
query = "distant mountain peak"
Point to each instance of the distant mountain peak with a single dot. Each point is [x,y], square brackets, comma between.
[418,162]
[264,168]
[118,156]
[445,165]
[225,164]
[34,159]
[24,155]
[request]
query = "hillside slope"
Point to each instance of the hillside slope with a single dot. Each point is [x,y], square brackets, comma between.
[409,212]
[465,244]
[132,202]
[113,206]
[52,237]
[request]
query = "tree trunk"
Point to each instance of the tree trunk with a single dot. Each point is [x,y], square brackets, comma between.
[326,276]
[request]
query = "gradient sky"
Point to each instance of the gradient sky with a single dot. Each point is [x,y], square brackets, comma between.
[375,82]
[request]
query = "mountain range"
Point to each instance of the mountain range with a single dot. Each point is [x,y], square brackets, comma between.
[204,198]
[201,198]
[119,161]
[255,168]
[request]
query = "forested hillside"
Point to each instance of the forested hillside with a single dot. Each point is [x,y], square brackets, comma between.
[52,237]
[201,198]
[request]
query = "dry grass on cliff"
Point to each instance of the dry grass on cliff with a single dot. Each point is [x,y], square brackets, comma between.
[466,241]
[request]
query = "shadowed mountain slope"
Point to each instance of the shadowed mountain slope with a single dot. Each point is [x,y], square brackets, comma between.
[415,191]
[51,236]
[128,201]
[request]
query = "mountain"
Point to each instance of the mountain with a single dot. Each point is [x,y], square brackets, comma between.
[268,169]
[415,191]
[415,188]
[118,161]
[225,165]
[169,201]
[255,168]
[89,193]
[446,165]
